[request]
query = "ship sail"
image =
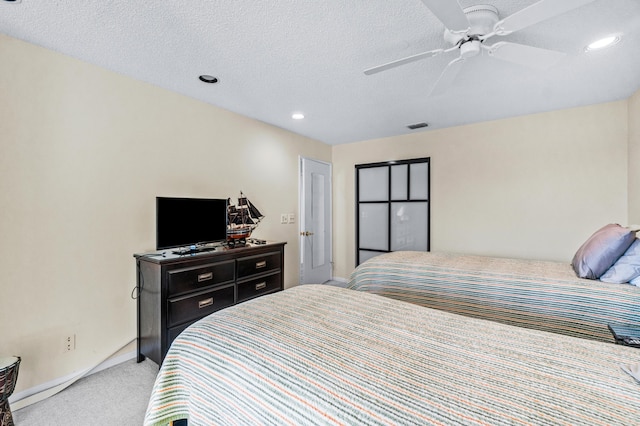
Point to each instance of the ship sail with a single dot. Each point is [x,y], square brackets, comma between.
[254,210]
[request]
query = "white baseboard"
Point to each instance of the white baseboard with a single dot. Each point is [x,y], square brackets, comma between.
[29,396]
[340,279]
[111,362]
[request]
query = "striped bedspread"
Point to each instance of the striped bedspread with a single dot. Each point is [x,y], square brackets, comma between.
[535,294]
[322,355]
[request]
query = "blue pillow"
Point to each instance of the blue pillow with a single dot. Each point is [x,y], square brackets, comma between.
[626,268]
[601,251]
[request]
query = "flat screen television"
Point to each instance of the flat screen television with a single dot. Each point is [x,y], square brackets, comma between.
[190,221]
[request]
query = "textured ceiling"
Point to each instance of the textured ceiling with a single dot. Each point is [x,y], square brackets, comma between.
[276,57]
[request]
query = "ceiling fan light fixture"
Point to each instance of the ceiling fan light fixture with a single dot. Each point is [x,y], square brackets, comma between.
[603,42]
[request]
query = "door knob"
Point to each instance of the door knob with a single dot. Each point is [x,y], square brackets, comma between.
[306,233]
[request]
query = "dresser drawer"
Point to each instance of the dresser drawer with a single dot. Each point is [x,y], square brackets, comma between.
[259,286]
[197,277]
[259,264]
[198,305]
[175,332]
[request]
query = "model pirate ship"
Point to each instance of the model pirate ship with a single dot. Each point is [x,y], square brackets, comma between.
[243,218]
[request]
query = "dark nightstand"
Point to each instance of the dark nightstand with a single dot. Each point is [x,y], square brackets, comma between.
[625,334]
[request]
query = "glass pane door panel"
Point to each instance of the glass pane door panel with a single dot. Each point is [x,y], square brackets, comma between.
[399,182]
[318,213]
[374,219]
[373,184]
[409,230]
[419,181]
[366,255]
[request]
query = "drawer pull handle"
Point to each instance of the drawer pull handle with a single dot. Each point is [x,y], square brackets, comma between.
[205,277]
[261,285]
[261,264]
[206,302]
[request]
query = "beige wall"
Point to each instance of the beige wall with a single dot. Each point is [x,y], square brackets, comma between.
[634,158]
[83,154]
[532,187]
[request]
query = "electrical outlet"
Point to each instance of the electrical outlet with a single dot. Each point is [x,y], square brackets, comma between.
[284,218]
[292,218]
[70,343]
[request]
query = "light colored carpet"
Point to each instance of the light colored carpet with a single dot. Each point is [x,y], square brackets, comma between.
[115,396]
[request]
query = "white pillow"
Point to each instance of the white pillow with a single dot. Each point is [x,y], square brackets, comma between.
[626,268]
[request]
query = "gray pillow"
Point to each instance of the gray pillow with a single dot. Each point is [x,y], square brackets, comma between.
[626,268]
[601,251]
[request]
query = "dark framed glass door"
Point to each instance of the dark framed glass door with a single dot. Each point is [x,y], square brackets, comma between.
[392,207]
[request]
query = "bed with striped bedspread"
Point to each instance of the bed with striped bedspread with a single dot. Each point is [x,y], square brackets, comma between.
[323,355]
[536,294]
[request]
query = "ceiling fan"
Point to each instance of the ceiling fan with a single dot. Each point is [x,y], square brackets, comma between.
[468,29]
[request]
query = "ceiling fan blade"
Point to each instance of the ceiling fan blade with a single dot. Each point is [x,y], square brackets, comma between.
[529,56]
[450,13]
[447,77]
[403,61]
[537,12]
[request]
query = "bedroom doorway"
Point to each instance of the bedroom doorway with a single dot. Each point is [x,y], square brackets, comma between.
[315,221]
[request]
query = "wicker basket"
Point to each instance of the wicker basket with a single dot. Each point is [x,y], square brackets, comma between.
[8,379]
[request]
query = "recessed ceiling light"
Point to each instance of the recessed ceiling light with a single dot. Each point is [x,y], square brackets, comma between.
[297,116]
[603,42]
[208,78]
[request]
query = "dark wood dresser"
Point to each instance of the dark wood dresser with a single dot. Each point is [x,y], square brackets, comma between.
[174,291]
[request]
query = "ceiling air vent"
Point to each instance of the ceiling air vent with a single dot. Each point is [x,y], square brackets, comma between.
[417,126]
